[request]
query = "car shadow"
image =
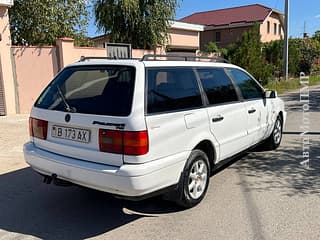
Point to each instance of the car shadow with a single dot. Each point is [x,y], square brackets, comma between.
[27,206]
[293,103]
[284,170]
[30,207]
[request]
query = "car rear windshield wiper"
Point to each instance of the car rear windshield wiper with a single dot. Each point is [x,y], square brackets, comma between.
[64,100]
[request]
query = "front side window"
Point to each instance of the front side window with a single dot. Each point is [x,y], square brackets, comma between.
[101,90]
[171,89]
[249,88]
[217,86]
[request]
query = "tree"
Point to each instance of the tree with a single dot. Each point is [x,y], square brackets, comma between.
[247,53]
[302,54]
[211,47]
[35,22]
[316,35]
[143,23]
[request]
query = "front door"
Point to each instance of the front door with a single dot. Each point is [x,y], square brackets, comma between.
[255,103]
[227,115]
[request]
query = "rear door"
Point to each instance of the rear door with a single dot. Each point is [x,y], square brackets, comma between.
[227,115]
[80,101]
[175,114]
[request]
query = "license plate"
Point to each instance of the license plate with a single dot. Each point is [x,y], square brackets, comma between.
[73,134]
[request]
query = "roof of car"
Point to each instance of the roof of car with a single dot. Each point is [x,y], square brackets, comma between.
[153,63]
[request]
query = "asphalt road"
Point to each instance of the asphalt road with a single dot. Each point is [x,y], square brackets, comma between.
[263,195]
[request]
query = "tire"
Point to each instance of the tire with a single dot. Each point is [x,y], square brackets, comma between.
[274,140]
[194,180]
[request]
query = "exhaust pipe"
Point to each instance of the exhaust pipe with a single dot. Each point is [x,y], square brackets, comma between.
[47,179]
[56,181]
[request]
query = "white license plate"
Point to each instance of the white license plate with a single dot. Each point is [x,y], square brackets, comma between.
[73,134]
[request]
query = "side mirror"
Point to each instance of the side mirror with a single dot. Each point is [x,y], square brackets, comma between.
[270,94]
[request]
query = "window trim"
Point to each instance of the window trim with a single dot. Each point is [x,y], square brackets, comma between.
[218,33]
[268,27]
[208,104]
[242,70]
[279,29]
[94,66]
[203,99]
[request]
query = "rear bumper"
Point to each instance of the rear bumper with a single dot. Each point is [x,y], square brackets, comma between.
[131,180]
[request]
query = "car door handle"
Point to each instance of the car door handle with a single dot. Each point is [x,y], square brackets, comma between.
[252,110]
[217,118]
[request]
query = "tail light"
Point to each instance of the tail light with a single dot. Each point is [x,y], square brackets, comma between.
[38,128]
[123,142]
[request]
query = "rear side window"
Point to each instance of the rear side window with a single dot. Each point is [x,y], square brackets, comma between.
[249,88]
[172,89]
[101,90]
[217,85]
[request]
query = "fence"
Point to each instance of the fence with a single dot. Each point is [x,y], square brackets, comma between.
[35,67]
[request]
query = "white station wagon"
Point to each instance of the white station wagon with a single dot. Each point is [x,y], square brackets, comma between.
[136,128]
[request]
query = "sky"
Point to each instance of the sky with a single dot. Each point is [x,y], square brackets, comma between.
[303,13]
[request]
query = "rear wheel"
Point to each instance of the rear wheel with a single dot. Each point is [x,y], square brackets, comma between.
[194,180]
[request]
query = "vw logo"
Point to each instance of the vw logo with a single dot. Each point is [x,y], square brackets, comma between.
[67,118]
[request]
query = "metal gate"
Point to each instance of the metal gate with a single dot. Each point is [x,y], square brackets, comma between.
[119,50]
[2,101]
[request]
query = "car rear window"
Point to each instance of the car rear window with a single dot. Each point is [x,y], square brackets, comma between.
[100,90]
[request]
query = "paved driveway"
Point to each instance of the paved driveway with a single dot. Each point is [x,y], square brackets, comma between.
[263,195]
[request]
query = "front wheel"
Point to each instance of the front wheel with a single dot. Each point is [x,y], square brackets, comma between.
[273,142]
[194,181]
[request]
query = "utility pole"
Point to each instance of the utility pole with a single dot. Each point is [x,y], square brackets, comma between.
[286,40]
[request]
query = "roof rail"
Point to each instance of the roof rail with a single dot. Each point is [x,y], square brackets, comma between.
[155,57]
[84,58]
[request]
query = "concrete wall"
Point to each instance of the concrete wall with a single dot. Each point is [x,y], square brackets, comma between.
[231,35]
[177,38]
[138,53]
[35,67]
[183,38]
[68,53]
[227,36]
[6,74]
[267,37]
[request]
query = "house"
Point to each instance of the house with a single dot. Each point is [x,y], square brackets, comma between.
[183,38]
[225,26]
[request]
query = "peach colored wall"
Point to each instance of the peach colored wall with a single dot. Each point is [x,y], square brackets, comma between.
[35,68]
[138,53]
[100,42]
[228,36]
[68,53]
[6,73]
[267,37]
[187,38]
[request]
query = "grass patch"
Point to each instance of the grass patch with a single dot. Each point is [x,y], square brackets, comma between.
[290,85]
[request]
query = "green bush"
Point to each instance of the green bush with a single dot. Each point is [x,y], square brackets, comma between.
[247,53]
